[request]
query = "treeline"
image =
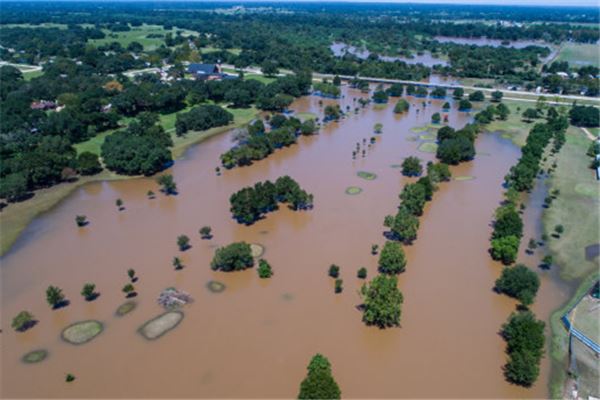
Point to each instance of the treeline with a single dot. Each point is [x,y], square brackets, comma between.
[250,203]
[524,336]
[256,143]
[523,333]
[202,118]
[405,224]
[143,148]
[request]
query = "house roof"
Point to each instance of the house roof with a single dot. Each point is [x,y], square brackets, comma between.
[202,68]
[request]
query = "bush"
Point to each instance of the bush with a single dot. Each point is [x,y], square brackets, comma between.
[319,382]
[401,106]
[167,183]
[505,249]
[334,271]
[392,259]
[338,286]
[438,172]
[264,269]
[54,296]
[382,302]
[362,273]
[88,163]
[234,257]
[411,166]
[23,321]
[519,282]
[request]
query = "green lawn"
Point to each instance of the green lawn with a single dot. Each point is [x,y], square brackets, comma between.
[580,54]
[29,75]
[139,34]
[577,208]
[513,128]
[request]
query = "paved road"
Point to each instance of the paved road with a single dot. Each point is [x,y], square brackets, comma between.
[567,99]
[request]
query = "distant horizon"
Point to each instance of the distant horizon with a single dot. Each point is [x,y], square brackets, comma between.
[506,3]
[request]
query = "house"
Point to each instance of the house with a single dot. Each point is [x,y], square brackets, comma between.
[43,105]
[205,71]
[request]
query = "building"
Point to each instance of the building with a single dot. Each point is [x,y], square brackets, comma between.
[205,71]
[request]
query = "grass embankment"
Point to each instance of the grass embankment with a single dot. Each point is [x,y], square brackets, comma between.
[15,218]
[578,54]
[559,347]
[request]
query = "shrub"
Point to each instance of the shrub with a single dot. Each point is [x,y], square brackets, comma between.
[264,269]
[23,321]
[334,271]
[234,257]
[519,282]
[392,259]
[362,273]
[382,301]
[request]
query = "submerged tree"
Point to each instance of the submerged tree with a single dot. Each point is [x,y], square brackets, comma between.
[319,382]
[81,220]
[334,271]
[234,257]
[264,269]
[55,296]
[519,282]
[167,183]
[206,232]
[392,259]
[382,301]
[23,321]
[89,291]
[183,242]
[411,166]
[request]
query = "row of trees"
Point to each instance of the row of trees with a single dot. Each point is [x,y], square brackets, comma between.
[405,224]
[143,148]
[251,203]
[524,336]
[255,142]
[202,118]
[522,175]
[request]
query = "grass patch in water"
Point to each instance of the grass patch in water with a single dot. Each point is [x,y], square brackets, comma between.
[215,286]
[353,190]
[82,332]
[428,147]
[35,356]
[125,308]
[464,178]
[157,327]
[257,250]
[396,166]
[366,175]
[304,116]
[428,136]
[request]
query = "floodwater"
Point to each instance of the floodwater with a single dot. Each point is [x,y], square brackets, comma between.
[482,41]
[339,49]
[256,338]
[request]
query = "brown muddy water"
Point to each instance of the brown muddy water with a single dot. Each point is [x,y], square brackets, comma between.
[256,338]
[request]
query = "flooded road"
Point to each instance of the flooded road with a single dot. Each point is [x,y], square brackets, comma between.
[256,338]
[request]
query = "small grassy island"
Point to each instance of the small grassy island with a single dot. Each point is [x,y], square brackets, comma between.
[157,327]
[82,332]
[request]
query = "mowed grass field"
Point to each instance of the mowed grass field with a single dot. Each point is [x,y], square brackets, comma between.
[140,34]
[580,54]
[577,208]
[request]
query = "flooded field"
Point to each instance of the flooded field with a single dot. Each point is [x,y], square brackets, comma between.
[482,41]
[339,49]
[256,337]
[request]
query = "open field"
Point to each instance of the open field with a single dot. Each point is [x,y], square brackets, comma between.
[140,35]
[576,208]
[514,128]
[579,54]
[17,216]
